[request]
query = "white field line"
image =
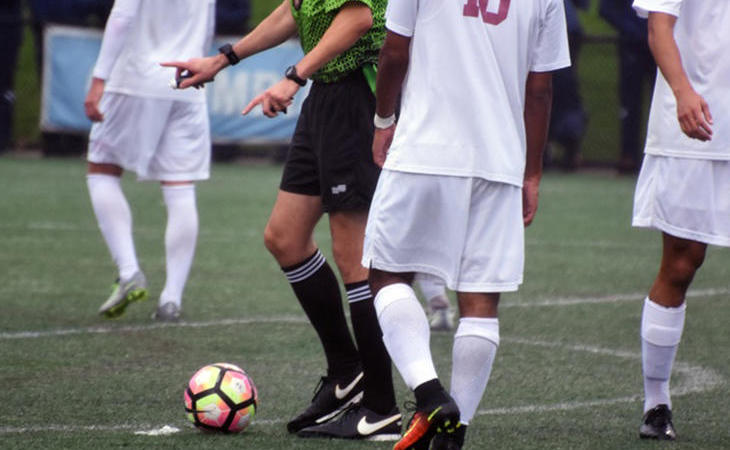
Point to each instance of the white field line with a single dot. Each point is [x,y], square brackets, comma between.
[690,379]
[687,379]
[557,301]
[617,298]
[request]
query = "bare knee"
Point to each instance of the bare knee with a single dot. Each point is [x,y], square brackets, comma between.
[681,271]
[285,247]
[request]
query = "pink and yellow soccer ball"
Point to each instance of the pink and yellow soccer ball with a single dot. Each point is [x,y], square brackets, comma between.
[221,397]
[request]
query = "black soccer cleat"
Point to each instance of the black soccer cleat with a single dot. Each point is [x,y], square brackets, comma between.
[358,422]
[425,423]
[449,439]
[657,424]
[331,397]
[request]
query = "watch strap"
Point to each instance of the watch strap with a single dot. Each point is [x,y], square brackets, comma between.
[291,74]
[227,50]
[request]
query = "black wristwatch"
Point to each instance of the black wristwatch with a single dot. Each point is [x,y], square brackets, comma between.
[227,50]
[291,73]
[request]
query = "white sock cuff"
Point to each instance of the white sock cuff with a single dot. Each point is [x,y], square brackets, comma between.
[177,189]
[391,294]
[485,328]
[660,325]
[102,177]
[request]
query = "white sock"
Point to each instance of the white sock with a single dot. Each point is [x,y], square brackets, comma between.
[430,286]
[475,347]
[406,333]
[661,331]
[181,236]
[115,221]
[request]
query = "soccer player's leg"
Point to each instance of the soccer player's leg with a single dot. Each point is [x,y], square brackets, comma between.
[661,331]
[440,313]
[181,236]
[182,157]
[114,218]
[475,347]
[377,417]
[315,285]
[406,335]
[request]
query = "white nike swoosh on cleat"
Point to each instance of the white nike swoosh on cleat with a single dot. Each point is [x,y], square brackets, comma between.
[364,427]
[342,393]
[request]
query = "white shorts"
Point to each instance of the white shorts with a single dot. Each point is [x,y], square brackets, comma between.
[686,198]
[157,139]
[467,231]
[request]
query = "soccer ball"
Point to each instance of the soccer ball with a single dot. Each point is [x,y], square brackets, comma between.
[221,397]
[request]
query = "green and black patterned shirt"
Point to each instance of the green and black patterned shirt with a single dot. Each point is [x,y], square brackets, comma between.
[314,18]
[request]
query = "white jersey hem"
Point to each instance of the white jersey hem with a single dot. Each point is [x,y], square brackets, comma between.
[684,153]
[173,96]
[424,170]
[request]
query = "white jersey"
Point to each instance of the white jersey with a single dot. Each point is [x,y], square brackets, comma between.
[462,110]
[140,34]
[702,33]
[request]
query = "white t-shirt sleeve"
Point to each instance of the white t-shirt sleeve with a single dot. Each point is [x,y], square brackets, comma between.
[115,35]
[400,16]
[551,51]
[644,7]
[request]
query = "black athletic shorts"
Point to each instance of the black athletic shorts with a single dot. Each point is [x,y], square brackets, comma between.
[331,151]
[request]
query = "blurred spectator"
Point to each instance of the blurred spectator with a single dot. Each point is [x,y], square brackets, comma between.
[11,34]
[569,119]
[232,16]
[636,70]
[64,12]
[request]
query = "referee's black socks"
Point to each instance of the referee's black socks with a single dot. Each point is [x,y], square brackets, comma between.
[318,291]
[378,380]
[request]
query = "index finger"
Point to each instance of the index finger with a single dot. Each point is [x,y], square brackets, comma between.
[252,104]
[179,64]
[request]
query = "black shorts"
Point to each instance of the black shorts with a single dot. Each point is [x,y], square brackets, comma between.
[331,151]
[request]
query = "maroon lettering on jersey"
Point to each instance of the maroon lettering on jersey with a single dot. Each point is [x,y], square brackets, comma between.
[474,7]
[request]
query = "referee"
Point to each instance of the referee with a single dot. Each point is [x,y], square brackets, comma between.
[329,169]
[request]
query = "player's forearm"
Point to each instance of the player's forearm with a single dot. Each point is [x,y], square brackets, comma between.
[392,68]
[538,102]
[349,25]
[665,51]
[276,28]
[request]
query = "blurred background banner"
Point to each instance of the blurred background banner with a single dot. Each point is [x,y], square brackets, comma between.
[71,55]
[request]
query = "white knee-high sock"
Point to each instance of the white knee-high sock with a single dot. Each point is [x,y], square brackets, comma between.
[115,221]
[430,286]
[181,236]
[475,347]
[406,333]
[661,331]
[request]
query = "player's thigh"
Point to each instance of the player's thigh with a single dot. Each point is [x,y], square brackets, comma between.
[131,130]
[347,229]
[494,246]
[417,223]
[183,153]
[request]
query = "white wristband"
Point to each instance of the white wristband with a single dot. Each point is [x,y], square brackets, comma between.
[383,122]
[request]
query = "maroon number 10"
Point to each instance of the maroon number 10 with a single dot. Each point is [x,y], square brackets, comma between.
[474,7]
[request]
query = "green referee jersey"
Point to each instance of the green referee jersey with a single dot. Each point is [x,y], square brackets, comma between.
[314,18]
